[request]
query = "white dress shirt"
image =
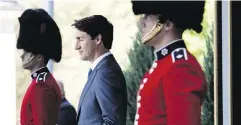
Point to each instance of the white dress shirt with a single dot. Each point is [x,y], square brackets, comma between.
[97,61]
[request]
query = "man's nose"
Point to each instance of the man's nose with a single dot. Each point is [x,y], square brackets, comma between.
[21,56]
[77,46]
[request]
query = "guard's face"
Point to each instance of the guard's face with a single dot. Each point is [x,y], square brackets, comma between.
[28,60]
[85,45]
[147,25]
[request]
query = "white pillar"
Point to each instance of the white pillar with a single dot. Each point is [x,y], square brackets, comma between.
[226,85]
[49,7]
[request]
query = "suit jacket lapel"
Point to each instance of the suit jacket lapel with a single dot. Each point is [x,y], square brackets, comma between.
[85,90]
[87,85]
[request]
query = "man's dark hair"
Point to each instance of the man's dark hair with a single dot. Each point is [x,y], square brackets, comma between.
[95,25]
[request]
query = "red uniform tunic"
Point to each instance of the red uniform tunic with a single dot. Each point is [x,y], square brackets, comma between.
[172,92]
[41,102]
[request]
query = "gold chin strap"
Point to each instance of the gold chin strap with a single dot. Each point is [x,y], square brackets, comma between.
[152,33]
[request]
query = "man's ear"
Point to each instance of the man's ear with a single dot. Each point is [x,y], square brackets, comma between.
[39,57]
[168,25]
[98,39]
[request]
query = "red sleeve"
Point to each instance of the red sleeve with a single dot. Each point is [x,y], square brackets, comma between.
[184,88]
[43,102]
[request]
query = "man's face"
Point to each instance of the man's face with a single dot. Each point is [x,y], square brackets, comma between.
[85,45]
[28,60]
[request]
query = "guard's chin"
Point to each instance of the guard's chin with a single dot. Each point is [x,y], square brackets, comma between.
[152,34]
[26,63]
[25,66]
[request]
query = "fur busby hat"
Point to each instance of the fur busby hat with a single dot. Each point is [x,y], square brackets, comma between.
[184,14]
[39,34]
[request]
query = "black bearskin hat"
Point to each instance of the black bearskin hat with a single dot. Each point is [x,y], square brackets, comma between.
[39,34]
[184,14]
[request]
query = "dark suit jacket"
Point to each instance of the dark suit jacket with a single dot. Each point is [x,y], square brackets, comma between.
[104,98]
[67,113]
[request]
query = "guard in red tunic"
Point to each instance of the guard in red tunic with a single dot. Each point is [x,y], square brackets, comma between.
[172,91]
[40,40]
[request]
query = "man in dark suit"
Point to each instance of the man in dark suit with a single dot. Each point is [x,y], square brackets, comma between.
[67,111]
[104,98]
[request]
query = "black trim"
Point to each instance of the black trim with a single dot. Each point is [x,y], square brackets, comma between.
[219,62]
[170,48]
[36,73]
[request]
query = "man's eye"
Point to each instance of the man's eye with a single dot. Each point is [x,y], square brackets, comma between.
[79,39]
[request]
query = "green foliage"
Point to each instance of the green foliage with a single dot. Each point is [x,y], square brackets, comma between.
[208,105]
[141,58]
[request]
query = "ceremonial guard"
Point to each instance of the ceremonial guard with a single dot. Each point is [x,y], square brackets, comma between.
[40,40]
[172,91]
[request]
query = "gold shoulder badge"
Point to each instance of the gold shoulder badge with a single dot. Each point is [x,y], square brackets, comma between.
[179,54]
[41,77]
